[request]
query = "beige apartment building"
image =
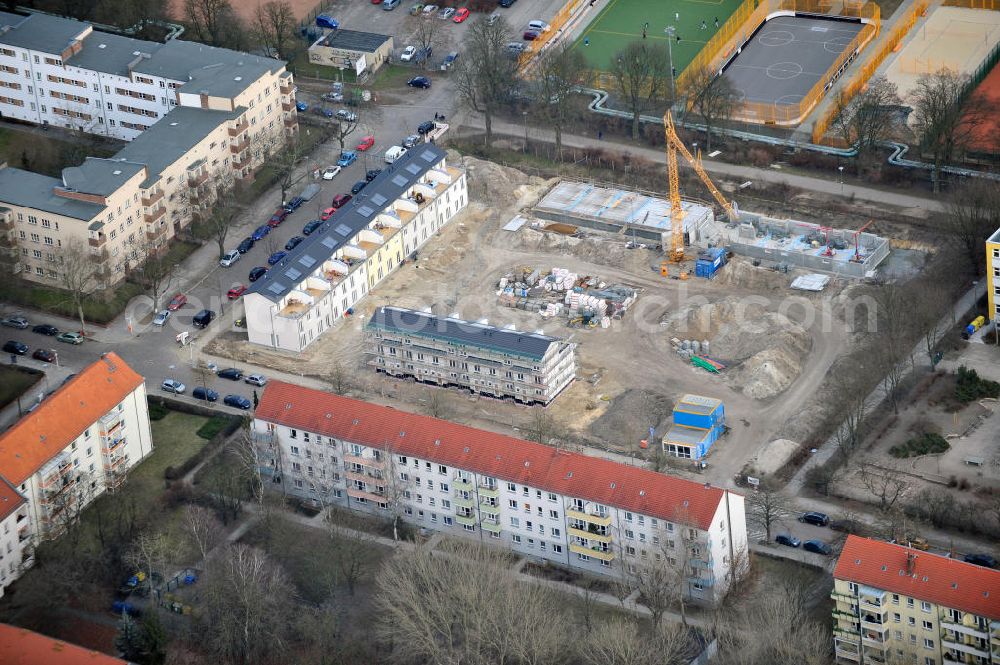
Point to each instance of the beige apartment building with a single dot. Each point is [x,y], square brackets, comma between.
[222,112]
[895,604]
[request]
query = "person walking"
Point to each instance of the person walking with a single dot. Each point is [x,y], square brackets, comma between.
[677,16]
[716,21]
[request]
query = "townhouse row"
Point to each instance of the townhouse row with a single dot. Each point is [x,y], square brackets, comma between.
[547,504]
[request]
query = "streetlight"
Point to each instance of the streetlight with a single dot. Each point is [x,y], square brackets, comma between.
[670,31]
[841,169]
[525,116]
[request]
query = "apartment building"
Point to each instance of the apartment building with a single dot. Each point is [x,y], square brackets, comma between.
[20,646]
[15,535]
[530,368]
[80,442]
[195,115]
[326,275]
[550,505]
[895,604]
[993,273]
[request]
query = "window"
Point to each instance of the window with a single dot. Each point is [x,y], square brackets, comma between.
[909,602]
[442,469]
[628,516]
[515,522]
[895,617]
[515,538]
[911,621]
[928,625]
[554,514]
[928,643]
[512,503]
[925,606]
[629,534]
[443,486]
[295,450]
[555,532]
[895,597]
[448,521]
[899,635]
[552,497]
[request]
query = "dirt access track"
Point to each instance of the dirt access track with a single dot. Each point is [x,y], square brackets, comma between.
[629,376]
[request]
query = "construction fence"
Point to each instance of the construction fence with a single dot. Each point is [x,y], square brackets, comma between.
[993,5]
[867,70]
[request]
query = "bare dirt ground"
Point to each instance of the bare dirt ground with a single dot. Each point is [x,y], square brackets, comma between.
[629,374]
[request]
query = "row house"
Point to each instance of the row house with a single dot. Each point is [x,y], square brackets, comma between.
[550,505]
[79,443]
[324,277]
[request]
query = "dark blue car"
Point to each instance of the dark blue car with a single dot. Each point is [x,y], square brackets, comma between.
[294,204]
[293,242]
[261,232]
[312,226]
[237,401]
[257,273]
[358,186]
[245,246]
[206,394]
[276,257]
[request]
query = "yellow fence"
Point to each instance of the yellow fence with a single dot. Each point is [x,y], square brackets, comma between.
[556,25]
[862,76]
[993,5]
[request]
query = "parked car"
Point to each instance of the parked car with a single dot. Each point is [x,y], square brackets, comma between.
[461,15]
[45,355]
[45,329]
[330,172]
[389,5]
[347,158]
[294,204]
[412,140]
[326,21]
[814,518]
[449,60]
[430,10]
[245,245]
[423,54]
[529,35]
[788,540]
[426,127]
[276,257]
[203,318]
[506,3]
[172,386]
[256,380]
[419,82]
[347,116]
[493,18]
[312,226]
[15,347]
[161,318]
[326,113]
[333,96]
[257,273]
[516,48]
[277,218]
[981,560]
[229,258]
[18,322]
[340,200]
[237,401]
[416,9]
[327,214]
[301,106]
[178,301]
[358,186]
[446,13]
[70,338]
[538,25]
[236,291]
[372,174]
[261,232]
[206,394]
[365,143]
[231,373]
[817,547]
[394,153]
[293,242]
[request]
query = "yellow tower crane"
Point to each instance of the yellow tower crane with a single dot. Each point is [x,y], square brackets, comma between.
[673,146]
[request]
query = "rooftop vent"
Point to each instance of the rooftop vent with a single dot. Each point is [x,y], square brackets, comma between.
[613,485]
[136,52]
[642,492]
[102,46]
[355,421]
[466,449]
[402,434]
[173,124]
[954,585]
[329,415]
[437,442]
[116,172]
[238,78]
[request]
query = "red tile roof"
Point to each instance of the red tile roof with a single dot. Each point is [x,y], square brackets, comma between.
[19,646]
[937,579]
[491,454]
[10,499]
[62,417]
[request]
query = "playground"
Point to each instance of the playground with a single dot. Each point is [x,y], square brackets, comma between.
[624,21]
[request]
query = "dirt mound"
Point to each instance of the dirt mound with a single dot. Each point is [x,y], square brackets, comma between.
[588,248]
[499,186]
[741,272]
[630,415]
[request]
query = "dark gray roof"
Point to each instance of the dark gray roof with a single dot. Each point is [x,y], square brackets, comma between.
[33,190]
[40,32]
[463,333]
[6,18]
[99,176]
[174,135]
[217,71]
[111,54]
[348,222]
[354,40]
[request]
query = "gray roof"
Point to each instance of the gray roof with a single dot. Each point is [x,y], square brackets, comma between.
[6,18]
[172,137]
[347,223]
[354,40]
[40,32]
[691,436]
[33,190]
[111,54]
[463,333]
[217,71]
[99,176]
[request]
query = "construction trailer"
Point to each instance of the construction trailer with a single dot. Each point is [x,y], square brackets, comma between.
[709,262]
[697,424]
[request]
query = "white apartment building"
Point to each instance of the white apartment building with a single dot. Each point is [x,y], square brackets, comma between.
[530,368]
[546,504]
[80,442]
[16,552]
[326,275]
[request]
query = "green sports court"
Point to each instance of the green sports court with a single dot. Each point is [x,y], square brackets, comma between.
[622,21]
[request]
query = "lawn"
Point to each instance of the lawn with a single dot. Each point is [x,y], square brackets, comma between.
[622,21]
[46,299]
[175,439]
[15,381]
[48,153]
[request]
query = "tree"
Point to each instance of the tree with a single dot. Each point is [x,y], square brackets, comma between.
[767,506]
[148,554]
[946,119]
[869,117]
[284,161]
[142,642]
[212,21]
[274,26]
[203,529]
[341,129]
[884,483]
[352,546]
[79,276]
[849,388]
[559,72]
[486,73]
[247,604]
[713,97]
[641,71]
[892,301]
[155,269]
[426,35]
[973,214]
[621,642]
[543,427]
[227,208]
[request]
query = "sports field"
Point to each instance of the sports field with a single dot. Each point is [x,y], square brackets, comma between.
[623,21]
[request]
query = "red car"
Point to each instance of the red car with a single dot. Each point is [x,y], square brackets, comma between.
[236,292]
[530,35]
[277,218]
[340,200]
[461,15]
[177,302]
[327,214]
[366,143]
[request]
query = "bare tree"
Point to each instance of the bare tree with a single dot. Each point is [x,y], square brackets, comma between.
[148,554]
[486,72]
[641,73]
[203,529]
[341,129]
[395,487]
[559,72]
[426,34]
[439,403]
[79,276]
[339,378]
[767,506]
[543,427]
[973,214]
[352,546]
[946,119]
[621,642]
[893,338]
[156,269]
[848,393]
[274,26]
[869,117]
[284,161]
[884,483]
[713,97]
[212,21]
[228,207]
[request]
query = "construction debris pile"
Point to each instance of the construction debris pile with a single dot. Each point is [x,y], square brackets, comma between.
[583,300]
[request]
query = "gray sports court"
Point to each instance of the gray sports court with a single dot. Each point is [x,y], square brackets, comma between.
[787,56]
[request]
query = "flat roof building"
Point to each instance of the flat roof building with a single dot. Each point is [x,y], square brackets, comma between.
[345,49]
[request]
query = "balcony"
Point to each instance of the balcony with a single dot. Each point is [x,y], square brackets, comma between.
[466,520]
[97,242]
[874,638]
[603,555]
[152,198]
[287,106]
[197,179]
[291,122]
[599,520]
[285,89]
[846,632]
[487,509]
[460,483]
[874,623]
[238,129]
[971,631]
[489,492]
[844,598]
[587,535]
[236,147]
[154,215]
[156,232]
[847,654]
[951,642]
[493,526]
[374,497]
[364,461]
[459,500]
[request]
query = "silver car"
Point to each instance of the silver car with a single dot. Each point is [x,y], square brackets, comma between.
[161,318]
[171,386]
[255,380]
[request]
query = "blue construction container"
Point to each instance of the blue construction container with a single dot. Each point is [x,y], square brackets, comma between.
[698,411]
[709,262]
[689,442]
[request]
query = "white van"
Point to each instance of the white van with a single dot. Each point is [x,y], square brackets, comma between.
[394,153]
